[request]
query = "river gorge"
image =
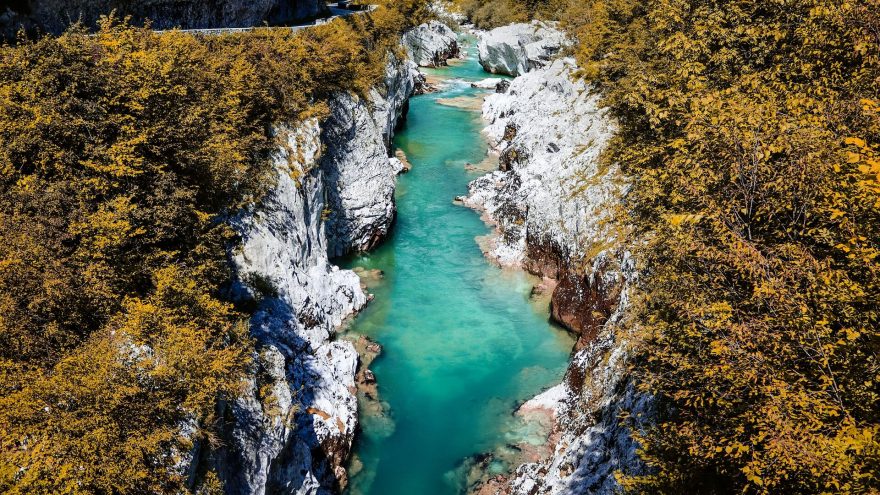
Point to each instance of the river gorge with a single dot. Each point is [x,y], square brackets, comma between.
[439,247]
[463,344]
[423,281]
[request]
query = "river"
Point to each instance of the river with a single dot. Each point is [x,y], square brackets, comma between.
[463,342]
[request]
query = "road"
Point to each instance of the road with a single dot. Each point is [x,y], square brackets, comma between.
[335,11]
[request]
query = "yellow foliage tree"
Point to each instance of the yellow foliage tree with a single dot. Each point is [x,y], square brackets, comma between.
[121,155]
[750,130]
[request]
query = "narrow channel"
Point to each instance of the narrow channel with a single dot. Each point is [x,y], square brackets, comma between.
[463,342]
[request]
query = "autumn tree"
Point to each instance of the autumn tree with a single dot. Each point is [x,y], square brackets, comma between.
[750,131]
[122,155]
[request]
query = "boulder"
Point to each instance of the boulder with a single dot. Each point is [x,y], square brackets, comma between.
[488,83]
[519,48]
[431,44]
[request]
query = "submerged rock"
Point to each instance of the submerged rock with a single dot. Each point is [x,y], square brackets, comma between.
[519,48]
[431,44]
[404,161]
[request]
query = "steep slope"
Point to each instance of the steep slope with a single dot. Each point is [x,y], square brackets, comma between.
[552,203]
[291,432]
[358,165]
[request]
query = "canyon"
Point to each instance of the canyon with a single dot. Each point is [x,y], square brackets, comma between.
[550,204]
[292,431]
[483,247]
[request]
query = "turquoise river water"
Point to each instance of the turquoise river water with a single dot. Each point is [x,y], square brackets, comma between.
[463,344]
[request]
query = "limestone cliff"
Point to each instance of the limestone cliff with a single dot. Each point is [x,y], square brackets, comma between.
[518,48]
[431,44]
[360,170]
[292,430]
[552,203]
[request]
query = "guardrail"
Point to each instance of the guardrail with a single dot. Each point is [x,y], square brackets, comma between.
[335,10]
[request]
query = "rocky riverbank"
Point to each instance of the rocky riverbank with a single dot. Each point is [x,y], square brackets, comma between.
[431,44]
[552,204]
[519,48]
[292,431]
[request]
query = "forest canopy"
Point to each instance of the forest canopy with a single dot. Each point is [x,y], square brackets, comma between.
[121,154]
[751,133]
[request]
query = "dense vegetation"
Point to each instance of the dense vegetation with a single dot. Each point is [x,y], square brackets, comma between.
[488,14]
[751,131]
[120,156]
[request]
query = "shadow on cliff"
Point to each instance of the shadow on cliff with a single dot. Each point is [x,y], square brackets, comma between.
[256,449]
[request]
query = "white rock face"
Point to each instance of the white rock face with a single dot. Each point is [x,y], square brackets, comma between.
[359,170]
[297,420]
[292,430]
[549,131]
[488,83]
[549,203]
[519,48]
[431,44]
[551,400]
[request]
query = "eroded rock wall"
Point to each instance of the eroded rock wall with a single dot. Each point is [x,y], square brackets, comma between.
[431,44]
[359,164]
[552,203]
[292,430]
[361,173]
[551,195]
[519,48]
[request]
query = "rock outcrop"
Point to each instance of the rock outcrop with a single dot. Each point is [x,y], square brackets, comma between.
[488,83]
[291,431]
[519,48]
[360,170]
[54,16]
[549,131]
[431,44]
[359,166]
[552,204]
